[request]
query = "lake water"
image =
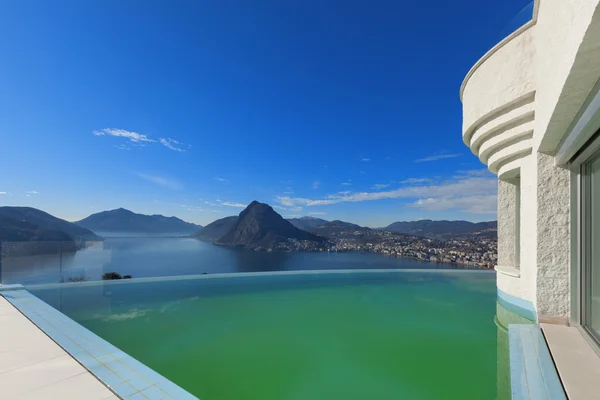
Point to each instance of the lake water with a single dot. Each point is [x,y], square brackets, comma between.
[152,257]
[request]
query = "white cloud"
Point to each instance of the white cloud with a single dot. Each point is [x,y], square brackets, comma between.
[436,157]
[415,180]
[380,186]
[467,193]
[316,184]
[231,204]
[317,213]
[484,204]
[122,147]
[171,144]
[159,180]
[365,159]
[2,193]
[212,204]
[32,192]
[131,136]
[280,208]
[222,180]
[347,183]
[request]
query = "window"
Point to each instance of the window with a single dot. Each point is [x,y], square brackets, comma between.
[590,230]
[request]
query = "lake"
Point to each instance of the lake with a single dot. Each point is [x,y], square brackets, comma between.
[159,256]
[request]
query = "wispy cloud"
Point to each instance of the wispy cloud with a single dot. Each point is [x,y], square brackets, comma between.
[347,183]
[411,181]
[33,192]
[192,208]
[317,213]
[280,208]
[483,204]
[379,186]
[316,184]
[131,136]
[365,159]
[138,139]
[231,204]
[212,204]
[466,192]
[171,144]
[436,157]
[159,180]
[222,180]
[3,193]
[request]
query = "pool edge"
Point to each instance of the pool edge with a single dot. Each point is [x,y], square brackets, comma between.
[125,376]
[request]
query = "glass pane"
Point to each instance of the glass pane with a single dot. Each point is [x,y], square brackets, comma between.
[594,246]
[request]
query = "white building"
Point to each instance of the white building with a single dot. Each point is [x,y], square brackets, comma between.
[531,113]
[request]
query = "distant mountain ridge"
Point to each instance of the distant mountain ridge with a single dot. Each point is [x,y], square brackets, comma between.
[444,229]
[23,224]
[261,227]
[125,221]
[216,229]
[307,223]
[339,228]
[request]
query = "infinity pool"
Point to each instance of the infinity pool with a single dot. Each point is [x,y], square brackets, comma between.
[328,335]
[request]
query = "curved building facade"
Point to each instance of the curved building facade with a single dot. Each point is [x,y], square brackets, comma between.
[531,113]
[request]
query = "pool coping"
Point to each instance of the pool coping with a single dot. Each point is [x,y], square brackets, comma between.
[250,275]
[533,375]
[124,375]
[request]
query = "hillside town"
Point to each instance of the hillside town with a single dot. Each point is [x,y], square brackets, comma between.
[473,252]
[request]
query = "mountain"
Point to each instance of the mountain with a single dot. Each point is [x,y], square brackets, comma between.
[215,230]
[260,227]
[307,223]
[22,224]
[445,229]
[339,229]
[125,221]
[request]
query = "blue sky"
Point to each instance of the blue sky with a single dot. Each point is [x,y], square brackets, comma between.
[339,109]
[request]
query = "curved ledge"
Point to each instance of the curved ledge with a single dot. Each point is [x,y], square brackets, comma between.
[510,170]
[495,144]
[498,46]
[515,113]
[508,154]
[506,270]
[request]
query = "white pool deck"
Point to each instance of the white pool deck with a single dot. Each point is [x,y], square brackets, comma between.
[33,366]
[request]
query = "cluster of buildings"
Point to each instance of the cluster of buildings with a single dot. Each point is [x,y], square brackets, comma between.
[469,252]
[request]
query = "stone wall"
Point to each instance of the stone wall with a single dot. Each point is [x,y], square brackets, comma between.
[507,223]
[553,241]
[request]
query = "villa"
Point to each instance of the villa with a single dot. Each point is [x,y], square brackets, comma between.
[531,113]
[198,320]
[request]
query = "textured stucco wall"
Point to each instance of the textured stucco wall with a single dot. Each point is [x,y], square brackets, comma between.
[507,223]
[504,77]
[553,241]
[529,210]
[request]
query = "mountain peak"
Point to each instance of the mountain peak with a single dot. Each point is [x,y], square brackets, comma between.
[259,226]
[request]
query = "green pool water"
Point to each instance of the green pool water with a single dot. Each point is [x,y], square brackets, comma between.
[392,335]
